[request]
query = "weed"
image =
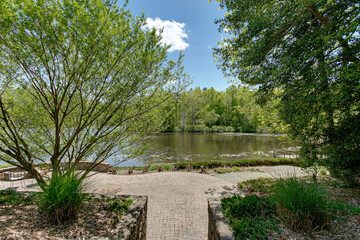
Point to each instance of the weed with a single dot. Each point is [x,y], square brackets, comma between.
[119,208]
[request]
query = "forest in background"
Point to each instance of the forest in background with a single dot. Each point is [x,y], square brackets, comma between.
[232,110]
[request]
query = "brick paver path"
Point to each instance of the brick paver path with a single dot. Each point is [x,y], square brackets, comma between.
[177,207]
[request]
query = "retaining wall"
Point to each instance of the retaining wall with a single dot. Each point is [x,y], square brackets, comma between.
[218,228]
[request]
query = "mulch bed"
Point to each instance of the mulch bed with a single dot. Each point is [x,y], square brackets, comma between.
[26,222]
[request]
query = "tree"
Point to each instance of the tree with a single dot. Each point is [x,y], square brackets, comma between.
[80,80]
[310,51]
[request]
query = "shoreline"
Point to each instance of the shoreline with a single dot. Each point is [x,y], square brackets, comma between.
[225,133]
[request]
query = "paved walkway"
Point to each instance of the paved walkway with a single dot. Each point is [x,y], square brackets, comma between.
[177,207]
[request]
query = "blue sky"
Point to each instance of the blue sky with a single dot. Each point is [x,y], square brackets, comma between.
[189,25]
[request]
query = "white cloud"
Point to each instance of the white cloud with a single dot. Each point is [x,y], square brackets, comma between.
[173,34]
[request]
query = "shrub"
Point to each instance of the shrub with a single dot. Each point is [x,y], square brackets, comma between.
[301,205]
[229,129]
[62,198]
[219,129]
[251,217]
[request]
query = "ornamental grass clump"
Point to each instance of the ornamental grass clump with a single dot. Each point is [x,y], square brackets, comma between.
[63,197]
[301,205]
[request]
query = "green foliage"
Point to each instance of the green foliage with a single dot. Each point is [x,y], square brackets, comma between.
[302,205]
[243,163]
[119,208]
[308,52]
[155,167]
[80,80]
[263,185]
[63,197]
[5,166]
[341,210]
[251,217]
[223,170]
[208,110]
[11,197]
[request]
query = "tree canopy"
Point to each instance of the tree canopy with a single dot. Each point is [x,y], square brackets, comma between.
[232,110]
[310,50]
[80,80]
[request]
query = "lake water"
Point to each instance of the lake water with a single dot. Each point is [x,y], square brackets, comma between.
[186,147]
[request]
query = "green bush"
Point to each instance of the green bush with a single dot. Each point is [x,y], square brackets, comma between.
[301,205]
[229,129]
[201,128]
[63,197]
[219,129]
[251,217]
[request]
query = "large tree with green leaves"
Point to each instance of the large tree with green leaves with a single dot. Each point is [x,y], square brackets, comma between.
[310,50]
[80,80]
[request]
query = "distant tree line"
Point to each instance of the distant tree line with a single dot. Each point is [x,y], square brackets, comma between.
[232,110]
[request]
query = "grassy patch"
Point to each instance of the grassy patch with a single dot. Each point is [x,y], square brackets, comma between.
[264,186]
[235,165]
[242,163]
[251,217]
[11,197]
[223,170]
[155,167]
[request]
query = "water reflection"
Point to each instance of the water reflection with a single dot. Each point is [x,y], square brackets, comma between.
[173,148]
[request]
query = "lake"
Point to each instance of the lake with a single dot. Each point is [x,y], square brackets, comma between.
[187,147]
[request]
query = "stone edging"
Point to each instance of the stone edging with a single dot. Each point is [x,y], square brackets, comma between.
[218,228]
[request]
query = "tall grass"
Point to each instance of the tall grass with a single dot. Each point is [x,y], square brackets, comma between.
[301,205]
[63,197]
